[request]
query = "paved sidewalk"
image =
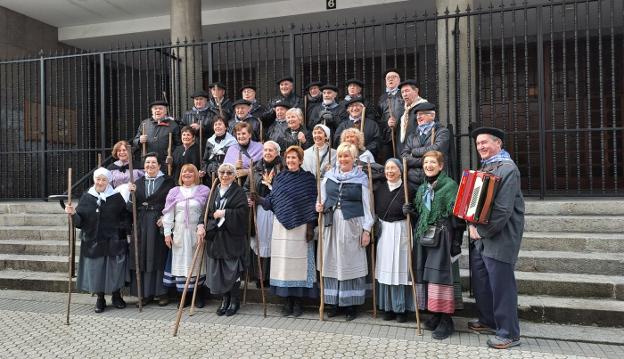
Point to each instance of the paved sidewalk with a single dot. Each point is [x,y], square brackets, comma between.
[33,325]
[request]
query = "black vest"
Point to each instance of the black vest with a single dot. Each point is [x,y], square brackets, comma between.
[348,196]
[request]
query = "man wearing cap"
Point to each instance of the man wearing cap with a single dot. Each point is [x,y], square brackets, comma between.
[218,103]
[355,108]
[241,114]
[199,115]
[495,245]
[248,93]
[329,112]
[286,93]
[157,129]
[428,135]
[279,126]
[355,89]
[313,96]
[389,109]
[406,123]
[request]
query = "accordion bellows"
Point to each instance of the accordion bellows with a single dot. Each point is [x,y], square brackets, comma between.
[475,196]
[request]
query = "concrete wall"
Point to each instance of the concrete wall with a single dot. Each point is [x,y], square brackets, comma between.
[24,36]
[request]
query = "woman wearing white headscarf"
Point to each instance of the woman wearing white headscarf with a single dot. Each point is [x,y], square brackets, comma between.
[99,215]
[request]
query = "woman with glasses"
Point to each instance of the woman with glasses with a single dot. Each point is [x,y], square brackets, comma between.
[226,237]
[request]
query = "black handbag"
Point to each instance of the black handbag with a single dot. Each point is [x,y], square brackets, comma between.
[431,237]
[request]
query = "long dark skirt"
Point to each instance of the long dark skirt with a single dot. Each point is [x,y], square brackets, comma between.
[101,274]
[222,274]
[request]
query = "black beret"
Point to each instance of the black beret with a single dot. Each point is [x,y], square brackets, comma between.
[329,87]
[285,78]
[355,81]
[217,84]
[159,103]
[424,106]
[241,102]
[200,93]
[390,70]
[282,103]
[408,82]
[314,83]
[247,86]
[490,131]
[354,100]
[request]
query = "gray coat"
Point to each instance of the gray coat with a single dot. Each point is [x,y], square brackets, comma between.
[501,237]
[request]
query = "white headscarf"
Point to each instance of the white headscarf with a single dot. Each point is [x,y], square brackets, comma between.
[109,191]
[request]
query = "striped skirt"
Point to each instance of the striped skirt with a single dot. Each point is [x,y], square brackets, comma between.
[171,281]
[344,293]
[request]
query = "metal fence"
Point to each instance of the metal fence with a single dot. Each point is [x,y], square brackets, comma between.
[550,74]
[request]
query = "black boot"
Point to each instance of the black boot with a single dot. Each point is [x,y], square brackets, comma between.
[100,303]
[444,329]
[118,301]
[389,315]
[432,323]
[297,308]
[199,298]
[225,303]
[351,313]
[332,311]
[235,301]
[288,307]
[401,317]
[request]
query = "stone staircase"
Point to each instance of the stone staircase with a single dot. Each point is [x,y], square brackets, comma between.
[570,269]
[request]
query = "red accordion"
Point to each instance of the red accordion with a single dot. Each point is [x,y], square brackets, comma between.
[475,196]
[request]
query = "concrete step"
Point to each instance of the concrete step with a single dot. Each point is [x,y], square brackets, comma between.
[564,284]
[35,232]
[42,247]
[582,224]
[35,281]
[573,242]
[610,264]
[575,206]
[31,207]
[33,219]
[34,263]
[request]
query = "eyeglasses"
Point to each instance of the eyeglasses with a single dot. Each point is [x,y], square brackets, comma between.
[227,173]
[421,114]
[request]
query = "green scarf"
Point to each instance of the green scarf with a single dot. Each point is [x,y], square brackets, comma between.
[442,205]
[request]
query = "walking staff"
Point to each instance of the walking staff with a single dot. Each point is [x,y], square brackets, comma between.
[252,188]
[198,250]
[135,236]
[203,253]
[390,114]
[144,150]
[410,238]
[169,158]
[372,237]
[72,245]
[320,233]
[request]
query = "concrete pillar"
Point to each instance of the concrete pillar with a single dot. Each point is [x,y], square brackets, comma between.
[186,26]
[448,75]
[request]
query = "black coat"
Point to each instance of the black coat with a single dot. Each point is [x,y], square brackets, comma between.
[338,114]
[101,226]
[416,146]
[371,134]
[286,137]
[230,240]
[292,99]
[158,136]
[256,127]
[205,117]
[182,157]
[211,161]
[226,108]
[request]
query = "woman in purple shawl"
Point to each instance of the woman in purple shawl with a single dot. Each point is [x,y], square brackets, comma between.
[180,217]
[244,153]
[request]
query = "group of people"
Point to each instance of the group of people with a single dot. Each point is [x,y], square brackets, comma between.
[294,193]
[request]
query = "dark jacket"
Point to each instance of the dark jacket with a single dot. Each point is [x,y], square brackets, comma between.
[293,99]
[256,127]
[158,136]
[336,114]
[229,240]
[416,146]
[182,156]
[371,134]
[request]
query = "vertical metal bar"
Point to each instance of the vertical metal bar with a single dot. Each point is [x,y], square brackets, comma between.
[384,34]
[613,101]
[346,49]
[553,99]
[355,47]
[503,89]
[210,63]
[491,53]
[336,54]
[405,44]
[603,167]
[540,99]
[589,106]
[43,130]
[102,105]
[415,35]
[577,101]
[291,55]
[514,87]
[470,54]
[480,81]
[435,58]
[564,96]
[447,65]
[527,138]
[426,54]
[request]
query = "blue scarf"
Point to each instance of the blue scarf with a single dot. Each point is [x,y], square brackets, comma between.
[354,176]
[393,91]
[330,106]
[425,128]
[501,156]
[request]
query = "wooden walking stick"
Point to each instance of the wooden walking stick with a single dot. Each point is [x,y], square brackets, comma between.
[261,132]
[372,237]
[201,141]
[305,110]
[320,235]
[203,253]
[169,158]
[135,236]
[198,250]
[72,243]
[252,188]
[410,238]
[240,183]
[362,125]
[391,114]
[144,150]
[393,142]
[99,160]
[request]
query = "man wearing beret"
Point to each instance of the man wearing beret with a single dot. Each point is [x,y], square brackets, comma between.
[157,129]
[355,89]
[200,115]
[248,93]
[495,245]
[219,104]
[355,109]
[286,93]
[329,112]
[313,96]
[241,114]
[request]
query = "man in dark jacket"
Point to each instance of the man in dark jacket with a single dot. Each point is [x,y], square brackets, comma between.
[329,112]
[313,97]
[218,103]
[157,130]
[248,93]
[495,245]
[200,115]
[389,109]
[428,135]
[286,93]
[355,108]
[241,114]
[355,90]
